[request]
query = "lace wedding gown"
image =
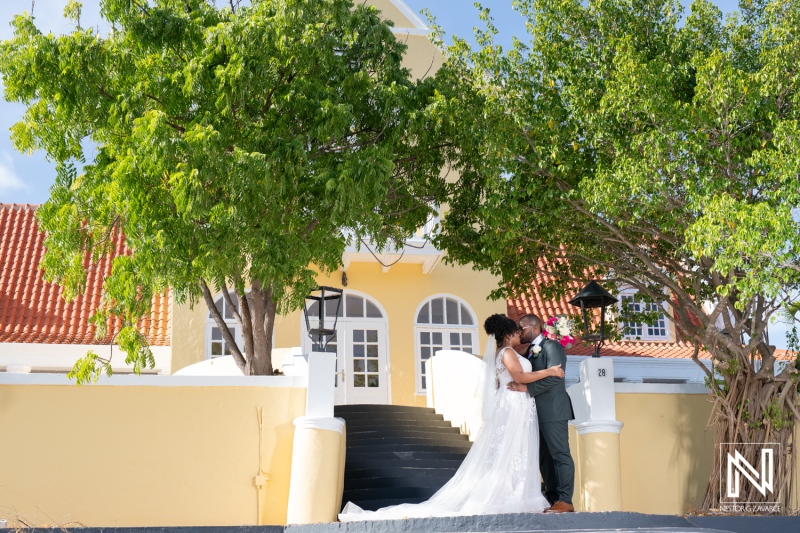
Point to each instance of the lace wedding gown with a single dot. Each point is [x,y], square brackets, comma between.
[500,474]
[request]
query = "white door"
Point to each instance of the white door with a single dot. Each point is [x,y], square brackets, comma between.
[363,376]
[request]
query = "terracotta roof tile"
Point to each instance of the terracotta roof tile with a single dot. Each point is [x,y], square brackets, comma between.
[533,302]
[33,310]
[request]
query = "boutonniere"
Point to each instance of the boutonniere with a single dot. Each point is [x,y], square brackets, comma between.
[536,351]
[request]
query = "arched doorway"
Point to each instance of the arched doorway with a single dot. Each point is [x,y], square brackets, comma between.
[361,346]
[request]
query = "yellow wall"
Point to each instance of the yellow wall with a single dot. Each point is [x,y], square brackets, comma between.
[422,57]
[188,334]
[136,456]
[400,291]
[390,12]
[665,450]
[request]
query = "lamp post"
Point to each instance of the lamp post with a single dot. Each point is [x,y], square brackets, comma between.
[590,297]
[321,336]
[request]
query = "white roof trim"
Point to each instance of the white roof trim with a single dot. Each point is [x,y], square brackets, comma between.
[410,15]
[411,31]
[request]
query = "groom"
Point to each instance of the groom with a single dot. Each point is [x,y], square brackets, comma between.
[555,411]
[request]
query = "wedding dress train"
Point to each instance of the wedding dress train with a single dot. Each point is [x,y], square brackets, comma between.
[500,474]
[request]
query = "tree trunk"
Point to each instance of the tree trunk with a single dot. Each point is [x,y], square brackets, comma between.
[753,407]
[256,317]
[263,320]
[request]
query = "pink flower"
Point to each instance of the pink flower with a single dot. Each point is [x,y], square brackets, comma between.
[567,340]
[552,321]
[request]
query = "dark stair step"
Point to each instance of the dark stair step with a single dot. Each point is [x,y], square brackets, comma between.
[390,493]
[403,456]
[368,463]
[341,410]
[398,454]
[396,482]
[366,436]
[398,443]
[451,447]
[400,471]
[391,429]
[374,505]
[361,424]
[389,415]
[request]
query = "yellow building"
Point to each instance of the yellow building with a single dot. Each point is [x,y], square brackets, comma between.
[398,309]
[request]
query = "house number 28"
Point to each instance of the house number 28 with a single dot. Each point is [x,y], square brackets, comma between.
[601,372]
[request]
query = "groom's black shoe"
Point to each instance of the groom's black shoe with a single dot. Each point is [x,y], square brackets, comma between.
[560,507]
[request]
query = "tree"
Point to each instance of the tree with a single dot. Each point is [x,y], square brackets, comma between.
[658,153]
[237,149]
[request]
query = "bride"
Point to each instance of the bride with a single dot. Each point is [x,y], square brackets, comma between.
[500,474]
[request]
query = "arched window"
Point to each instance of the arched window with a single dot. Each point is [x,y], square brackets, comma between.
[443,322]
[216,346]
[353,306]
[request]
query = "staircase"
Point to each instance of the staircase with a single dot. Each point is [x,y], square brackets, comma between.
[397,454]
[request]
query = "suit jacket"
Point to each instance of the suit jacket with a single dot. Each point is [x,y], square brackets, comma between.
[552,401]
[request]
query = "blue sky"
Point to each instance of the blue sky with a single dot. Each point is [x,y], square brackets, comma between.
[27,178]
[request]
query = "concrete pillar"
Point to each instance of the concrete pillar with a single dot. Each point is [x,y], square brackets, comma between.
[315,488]
[598,478]
[599,463]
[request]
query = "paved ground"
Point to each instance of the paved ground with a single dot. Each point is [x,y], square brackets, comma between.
[617,522]
[749,524]
[517,523]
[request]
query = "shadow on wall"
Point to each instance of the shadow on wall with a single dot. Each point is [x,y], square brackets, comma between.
[694,449]
[666,451]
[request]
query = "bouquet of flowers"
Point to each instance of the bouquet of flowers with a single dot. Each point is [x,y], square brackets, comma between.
[560,329]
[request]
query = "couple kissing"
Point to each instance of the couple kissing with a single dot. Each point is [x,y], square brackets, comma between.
[524,435]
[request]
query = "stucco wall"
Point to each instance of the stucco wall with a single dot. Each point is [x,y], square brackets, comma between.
[666,453]
[146,455]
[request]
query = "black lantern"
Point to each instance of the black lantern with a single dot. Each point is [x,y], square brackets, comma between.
[590,297]
[321,336]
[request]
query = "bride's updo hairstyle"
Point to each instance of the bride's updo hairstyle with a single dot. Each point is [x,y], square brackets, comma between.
[500,326]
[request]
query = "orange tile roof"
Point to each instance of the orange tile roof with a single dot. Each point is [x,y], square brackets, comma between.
[33,310]
[533,302]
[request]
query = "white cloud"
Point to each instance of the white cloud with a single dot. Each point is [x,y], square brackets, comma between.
[9,181]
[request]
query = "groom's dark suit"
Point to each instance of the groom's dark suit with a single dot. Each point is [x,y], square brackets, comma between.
[555,411]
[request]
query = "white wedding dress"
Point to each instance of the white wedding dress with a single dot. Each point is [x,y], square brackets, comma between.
[500,474]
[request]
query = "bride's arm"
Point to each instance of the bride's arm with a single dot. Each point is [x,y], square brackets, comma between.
[520,376]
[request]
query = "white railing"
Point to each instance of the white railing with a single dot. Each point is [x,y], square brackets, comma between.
[454,381]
